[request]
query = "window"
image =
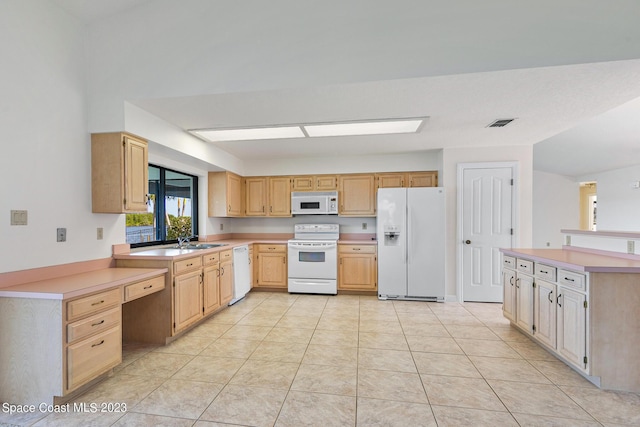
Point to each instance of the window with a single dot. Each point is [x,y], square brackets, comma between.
[172,209]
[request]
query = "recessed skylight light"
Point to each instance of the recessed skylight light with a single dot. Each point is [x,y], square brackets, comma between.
[279,132]
[364,128]
[372,127]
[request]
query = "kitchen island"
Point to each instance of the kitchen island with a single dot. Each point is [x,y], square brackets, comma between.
[582,306]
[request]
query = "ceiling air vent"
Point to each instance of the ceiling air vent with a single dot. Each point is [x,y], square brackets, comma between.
[500,123]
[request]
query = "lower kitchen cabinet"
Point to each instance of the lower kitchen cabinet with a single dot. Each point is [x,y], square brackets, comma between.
[211,283]
[357,267]
[545,312]
[187,299]
[572,333]
[226,277]
[271,266]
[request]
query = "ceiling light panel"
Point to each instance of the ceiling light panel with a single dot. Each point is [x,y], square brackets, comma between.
[364,128]
[279,132]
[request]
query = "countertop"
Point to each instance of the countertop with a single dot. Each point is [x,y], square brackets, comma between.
[174,253]
[578,260]
[75,285]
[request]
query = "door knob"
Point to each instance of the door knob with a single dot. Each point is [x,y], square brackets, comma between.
[468,242]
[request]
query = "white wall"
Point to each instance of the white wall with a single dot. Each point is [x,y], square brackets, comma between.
[556,206]
[451,157]
[45,167]
[618,202]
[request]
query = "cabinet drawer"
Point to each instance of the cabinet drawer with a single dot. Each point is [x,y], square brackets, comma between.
[226,255]
[508,261]
[546,272]
[186,265]
[91,325]
[93,303]
[357,249]
[272,248]
[210,259]
[93,356]
[573,280]
[524,265]
[146,287]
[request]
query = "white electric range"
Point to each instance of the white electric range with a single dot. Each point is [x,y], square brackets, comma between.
[313,259]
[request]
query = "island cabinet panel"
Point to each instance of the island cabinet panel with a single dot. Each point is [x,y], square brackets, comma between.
[588,319]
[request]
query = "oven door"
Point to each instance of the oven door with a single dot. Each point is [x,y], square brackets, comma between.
[313,260]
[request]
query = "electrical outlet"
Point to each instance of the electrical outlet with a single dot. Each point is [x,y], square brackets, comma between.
[567,240]
[221,227]
[631,247]
[100,233]
[62,234]
[18,217]
[364,225]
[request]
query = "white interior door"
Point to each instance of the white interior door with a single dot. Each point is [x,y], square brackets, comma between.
[487,207]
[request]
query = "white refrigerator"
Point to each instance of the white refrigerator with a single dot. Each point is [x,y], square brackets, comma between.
[411,243]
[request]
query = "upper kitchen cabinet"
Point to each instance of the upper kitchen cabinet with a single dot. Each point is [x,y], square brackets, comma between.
[255,196]
[357,195]
[422,179]
[279,196]
[315,183]
[119,173]
[407,179]
[391,180]
[226,194]
[268,196]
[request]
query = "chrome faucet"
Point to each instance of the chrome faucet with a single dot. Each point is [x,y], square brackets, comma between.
[183,241]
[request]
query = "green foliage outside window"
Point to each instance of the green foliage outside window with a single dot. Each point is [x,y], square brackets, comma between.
[179,226]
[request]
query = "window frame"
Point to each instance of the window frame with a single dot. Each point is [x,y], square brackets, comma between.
[161,209]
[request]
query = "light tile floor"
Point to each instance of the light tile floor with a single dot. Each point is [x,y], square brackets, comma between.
[310,360]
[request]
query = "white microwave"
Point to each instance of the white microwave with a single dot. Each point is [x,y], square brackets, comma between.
[314,203]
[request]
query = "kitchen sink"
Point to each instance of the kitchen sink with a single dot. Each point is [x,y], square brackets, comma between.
[202,246]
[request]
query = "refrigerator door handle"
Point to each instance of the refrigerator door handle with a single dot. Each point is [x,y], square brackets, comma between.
[409,238]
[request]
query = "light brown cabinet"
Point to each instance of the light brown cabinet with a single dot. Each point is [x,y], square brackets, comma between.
[315,183]
[357,195]
[187,299]
[279,196]
[407,179]
[255,196]
[271,266]
[226,195]
[119,173]
[357,267]
[226,277]
[211,283]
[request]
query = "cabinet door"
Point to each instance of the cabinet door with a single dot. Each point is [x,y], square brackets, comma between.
[544,318]
[211,288]
[303,183]
[572,331]
[357,195]
[234,195]
[357,272]
[272,270]
[256,196]
[391,180]
[136,172]
[187,299]
[279,196]
[226,282]
[509,294]
[524,302]
[423,179]
[326,182]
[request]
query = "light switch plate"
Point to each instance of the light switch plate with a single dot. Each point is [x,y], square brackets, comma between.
[61,235]
[631,247]
[19,217]
[100,233]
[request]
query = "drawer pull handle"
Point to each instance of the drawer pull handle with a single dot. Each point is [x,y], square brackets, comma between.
[543,271]
[523,266]
[356,249]
[100,343]
[517,280]
[558,300]
[98,303]
[98,324]
[550,298]
[511,280]
[189,265]
[148,287]
[569,280]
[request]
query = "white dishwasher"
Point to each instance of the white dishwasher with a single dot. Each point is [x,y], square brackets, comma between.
[241,276]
